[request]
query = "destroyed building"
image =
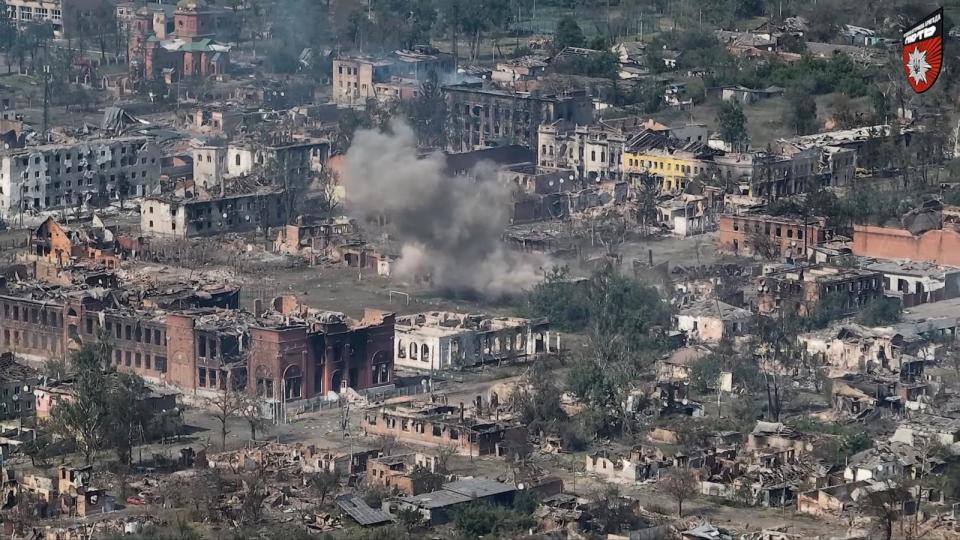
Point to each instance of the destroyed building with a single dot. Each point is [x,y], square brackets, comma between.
[593,152]
[439,507]
[298,352]
[170,216]
[786,237]
[445,426]
[403,472]
[485,116]
[441,340]
[17,382]
[713,321]
[68,175]
[394,77]
[58,245]
[916,283]
[802,290]
[197,339]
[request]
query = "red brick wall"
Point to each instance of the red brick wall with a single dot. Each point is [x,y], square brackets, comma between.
[936,246]
[181,354]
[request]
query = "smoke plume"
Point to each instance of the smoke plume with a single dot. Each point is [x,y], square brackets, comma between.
[450,227]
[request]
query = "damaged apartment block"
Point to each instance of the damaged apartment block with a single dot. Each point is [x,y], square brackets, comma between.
[65,175]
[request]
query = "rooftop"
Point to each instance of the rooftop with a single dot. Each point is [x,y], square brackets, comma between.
[712,308]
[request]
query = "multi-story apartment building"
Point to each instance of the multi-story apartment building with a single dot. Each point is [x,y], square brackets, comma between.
[802,290]
[594,152]
[357,79]
[792,237]
[484,117]
[69,18]
[62,175]
[182,217]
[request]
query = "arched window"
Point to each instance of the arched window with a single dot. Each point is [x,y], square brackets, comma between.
[237,160]
[401,349]
[413,350]
[425,353]
[293,383]
[264,383]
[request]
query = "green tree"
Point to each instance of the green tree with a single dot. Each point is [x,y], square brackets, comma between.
[568,34]
[128,414]
[802,111]
[428,114]
[85,418]
[880,312]
[732,123]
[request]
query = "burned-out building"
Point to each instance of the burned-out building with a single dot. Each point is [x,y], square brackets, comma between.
[802,290]
[445,426]
[17,382]
[483,116]
[403,472]
[198,340]
[297,352]
[67,175]
[170,216]
[441,340]
[357,79]
[791,237]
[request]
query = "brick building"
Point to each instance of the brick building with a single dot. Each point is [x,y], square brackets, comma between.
[191,51]
[306,352]
[199,341]
[790,237]
[801,290]
[938,246]
[441,425]
[396,77]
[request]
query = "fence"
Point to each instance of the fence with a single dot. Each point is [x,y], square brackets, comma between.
[318,404]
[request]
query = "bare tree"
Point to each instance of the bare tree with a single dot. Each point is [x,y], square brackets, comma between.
[324,483]
[885,506]
[225,406]
[249,409]
[680,485]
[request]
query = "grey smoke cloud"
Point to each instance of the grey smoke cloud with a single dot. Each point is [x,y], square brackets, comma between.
[450,227]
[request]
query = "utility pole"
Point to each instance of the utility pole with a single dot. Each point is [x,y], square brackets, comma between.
[46,99]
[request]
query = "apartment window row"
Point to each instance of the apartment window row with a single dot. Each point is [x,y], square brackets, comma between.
[31,340]
[135,333]
[39,316]
[140,360]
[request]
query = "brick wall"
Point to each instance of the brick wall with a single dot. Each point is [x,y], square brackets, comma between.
[941,246]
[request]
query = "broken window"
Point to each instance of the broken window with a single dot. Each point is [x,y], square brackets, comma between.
[413,350]
[126,358]
[425,353]
[201,377]
[202,345]
[136,360]
[454,435]
[401,349]
[213,378]
[293,383]
[156,337]
[161,364]
[146,361]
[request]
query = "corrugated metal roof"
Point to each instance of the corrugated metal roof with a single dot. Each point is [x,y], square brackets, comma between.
[361,512]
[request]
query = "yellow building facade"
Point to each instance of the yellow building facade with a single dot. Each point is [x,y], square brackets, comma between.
[674,169]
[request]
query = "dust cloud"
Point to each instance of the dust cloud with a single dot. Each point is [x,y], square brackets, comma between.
[449,227]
